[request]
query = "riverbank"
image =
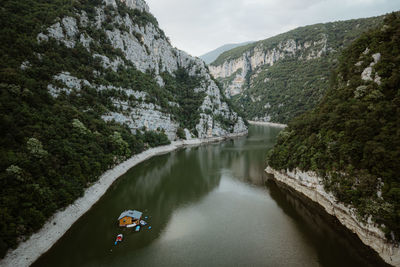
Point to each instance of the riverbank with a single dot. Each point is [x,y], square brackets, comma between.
[273,124]
[309,184]
[29,251]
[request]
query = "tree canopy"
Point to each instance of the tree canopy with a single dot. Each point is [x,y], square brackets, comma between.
[352,137]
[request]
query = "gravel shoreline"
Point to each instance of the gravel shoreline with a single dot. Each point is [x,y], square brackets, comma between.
[29,251]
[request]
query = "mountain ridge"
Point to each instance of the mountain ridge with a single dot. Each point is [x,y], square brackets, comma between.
[281,77]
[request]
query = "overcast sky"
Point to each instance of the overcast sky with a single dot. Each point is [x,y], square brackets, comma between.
[199,26]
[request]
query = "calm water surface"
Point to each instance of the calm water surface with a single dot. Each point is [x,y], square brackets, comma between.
[209,206]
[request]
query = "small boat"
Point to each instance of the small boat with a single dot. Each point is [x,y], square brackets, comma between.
[142,223]
[137,229]
[119,239]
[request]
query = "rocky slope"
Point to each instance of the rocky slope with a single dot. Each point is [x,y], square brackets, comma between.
[345,153]
[281,77]
[84,86]
[310,185]
[147,48]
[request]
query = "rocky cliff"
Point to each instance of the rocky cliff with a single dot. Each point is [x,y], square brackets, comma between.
[345,153]
[281,77]
[146,47]
[310,185]
[259,56]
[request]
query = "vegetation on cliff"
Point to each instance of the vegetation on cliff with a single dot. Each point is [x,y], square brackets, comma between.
[352,139]
[53,147]
[296,83]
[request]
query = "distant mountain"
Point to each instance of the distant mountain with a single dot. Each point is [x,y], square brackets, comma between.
[281,77]
[213,55]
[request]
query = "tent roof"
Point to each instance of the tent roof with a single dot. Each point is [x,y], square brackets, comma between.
[131,213]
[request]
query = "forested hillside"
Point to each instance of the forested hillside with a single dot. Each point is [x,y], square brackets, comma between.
[352,138]
[85,85]
[281,77]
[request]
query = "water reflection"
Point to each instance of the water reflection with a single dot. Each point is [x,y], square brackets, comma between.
[158,187]
[336,245]
[208,206]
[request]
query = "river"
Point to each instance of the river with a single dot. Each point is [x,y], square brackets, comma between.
[211,205]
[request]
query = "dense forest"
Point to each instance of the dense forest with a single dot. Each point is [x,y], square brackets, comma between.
[295,83]
[292,87]
[52,147]
[352,138]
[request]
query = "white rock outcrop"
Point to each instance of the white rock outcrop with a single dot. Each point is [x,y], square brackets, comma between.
[70,83]
[251,60]
[145,46]
[64,31]
[310,185]
[147,116]
[366,75]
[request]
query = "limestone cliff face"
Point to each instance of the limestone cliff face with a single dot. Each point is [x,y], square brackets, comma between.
[146,47]
[255,58]
[309,184]
[279,78]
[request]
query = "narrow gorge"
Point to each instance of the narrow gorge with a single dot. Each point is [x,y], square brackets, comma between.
[280,152]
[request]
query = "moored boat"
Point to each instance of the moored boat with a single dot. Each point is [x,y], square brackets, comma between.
[118,239]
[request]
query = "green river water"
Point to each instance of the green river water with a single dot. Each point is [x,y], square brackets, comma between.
[211,205]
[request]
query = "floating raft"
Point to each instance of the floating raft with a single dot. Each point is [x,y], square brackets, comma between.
[130,217]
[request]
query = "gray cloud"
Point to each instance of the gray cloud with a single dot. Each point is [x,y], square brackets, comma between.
[199,26]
